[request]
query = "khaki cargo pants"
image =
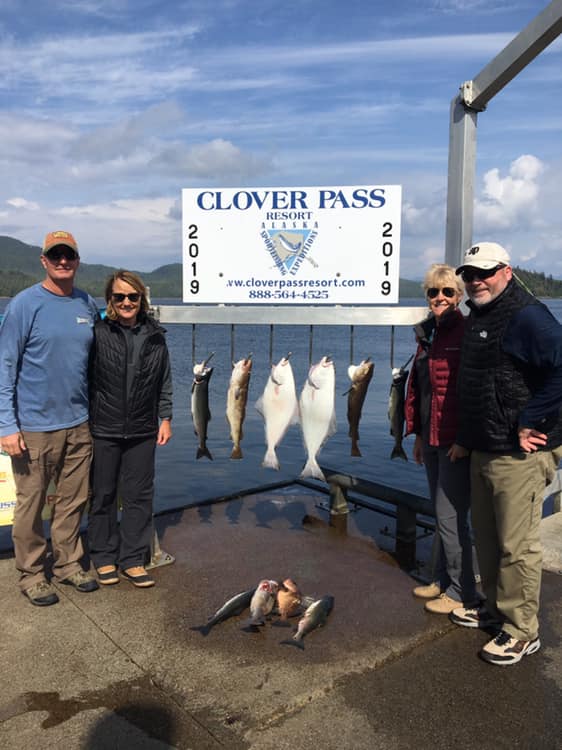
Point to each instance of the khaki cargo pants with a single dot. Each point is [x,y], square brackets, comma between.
[62,456]
[507,493]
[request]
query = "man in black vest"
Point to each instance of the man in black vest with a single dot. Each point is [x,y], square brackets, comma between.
[510,394]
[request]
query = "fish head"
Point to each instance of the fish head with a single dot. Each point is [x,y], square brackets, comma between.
[282,372]
[269,587]
[241,370]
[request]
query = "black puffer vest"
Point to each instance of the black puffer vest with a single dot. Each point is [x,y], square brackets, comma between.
[494,387]
[111,416]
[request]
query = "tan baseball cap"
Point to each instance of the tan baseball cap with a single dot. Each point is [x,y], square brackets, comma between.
[59,237]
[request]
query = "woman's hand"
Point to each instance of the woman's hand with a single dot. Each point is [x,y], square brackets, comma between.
[164,432]
[418,450]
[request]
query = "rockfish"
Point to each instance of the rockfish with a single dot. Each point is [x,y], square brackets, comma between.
[318,413]
[360,376]
[234,606]
[279,407]
[200,404]
[396,402]
[289,599]
[314,617]
[262,601]
[236,399]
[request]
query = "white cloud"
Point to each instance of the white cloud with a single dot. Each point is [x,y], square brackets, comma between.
[512,200]
[22,203]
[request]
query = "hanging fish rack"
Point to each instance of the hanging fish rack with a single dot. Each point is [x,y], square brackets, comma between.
[339,315]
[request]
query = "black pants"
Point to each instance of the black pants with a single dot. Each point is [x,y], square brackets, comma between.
[127,466]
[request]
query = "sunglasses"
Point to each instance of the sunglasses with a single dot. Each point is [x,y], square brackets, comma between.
[61,252]
[469,274]
[448,292]
[120,297]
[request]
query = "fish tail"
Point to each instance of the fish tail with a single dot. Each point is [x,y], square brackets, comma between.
[355,449]
[236,452]
[270,460]
[203,452]
[398,452]
[293,642]
[311,469]
[203,629]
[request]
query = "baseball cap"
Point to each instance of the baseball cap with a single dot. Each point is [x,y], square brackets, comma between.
[59,237]
[485,255]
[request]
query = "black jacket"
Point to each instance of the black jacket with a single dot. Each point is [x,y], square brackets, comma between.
[125,404]
[495,386]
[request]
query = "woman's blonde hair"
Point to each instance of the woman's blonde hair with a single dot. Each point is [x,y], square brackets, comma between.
[131,278]
[440,275]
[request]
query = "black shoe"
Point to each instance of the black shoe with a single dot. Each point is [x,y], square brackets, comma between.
[41,594]
[83,582]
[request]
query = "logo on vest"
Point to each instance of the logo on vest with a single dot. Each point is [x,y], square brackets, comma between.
[483,334]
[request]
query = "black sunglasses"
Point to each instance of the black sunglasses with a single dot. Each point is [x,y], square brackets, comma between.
[448,292]
[120,297]
[469,274]
[56,253]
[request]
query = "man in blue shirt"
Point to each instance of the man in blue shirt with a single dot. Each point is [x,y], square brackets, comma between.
[45,340]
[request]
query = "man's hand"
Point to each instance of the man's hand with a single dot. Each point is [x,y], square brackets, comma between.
[456,452]
[531,440]
[13,445]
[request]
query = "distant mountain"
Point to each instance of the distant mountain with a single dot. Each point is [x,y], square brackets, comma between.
[21,268]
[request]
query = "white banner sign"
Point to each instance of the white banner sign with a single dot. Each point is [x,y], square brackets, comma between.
[305,245]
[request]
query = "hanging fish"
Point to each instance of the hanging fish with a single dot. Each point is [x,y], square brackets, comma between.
[236,399]
[318,413]
[200,404]
[396,409]
[360,376]
[278,406]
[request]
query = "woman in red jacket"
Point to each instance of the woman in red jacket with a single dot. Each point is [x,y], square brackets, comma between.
[431,413]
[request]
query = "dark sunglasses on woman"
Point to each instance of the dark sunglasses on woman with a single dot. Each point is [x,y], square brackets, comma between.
[119,297]
[448,292]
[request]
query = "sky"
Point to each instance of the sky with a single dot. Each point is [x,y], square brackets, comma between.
[108,108]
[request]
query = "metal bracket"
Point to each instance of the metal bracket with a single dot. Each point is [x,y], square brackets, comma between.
[467,96]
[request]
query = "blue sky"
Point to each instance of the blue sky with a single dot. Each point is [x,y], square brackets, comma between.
[108,108]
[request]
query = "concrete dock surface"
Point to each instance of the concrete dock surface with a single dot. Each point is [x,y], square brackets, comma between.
[127,668]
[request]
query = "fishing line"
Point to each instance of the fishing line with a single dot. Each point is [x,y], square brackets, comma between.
[193,345]
[351,342]
[310,342]
[271,343]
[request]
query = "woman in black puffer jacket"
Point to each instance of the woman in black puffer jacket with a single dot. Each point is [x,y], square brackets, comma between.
[130,413]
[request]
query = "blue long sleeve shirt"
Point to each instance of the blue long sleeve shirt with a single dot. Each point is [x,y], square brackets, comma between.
[45,341]
[534,337]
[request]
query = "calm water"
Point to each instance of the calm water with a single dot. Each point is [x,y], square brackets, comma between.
[181,480]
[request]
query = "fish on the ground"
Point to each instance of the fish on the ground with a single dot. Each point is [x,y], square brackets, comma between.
[314,617]
[262,601]
[236,399]
[234,606]
[396,406]
[278,406]
[318,413]
[360,376]
[200,411]
[289,599]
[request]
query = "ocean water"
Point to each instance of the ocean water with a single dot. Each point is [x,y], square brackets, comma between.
[182,480]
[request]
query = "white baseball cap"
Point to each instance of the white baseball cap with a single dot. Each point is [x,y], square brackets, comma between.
[485,255]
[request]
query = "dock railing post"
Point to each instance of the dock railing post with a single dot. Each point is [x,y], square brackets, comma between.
[406,537]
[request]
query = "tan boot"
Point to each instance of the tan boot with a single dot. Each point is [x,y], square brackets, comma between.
[442,605]
[431,591]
